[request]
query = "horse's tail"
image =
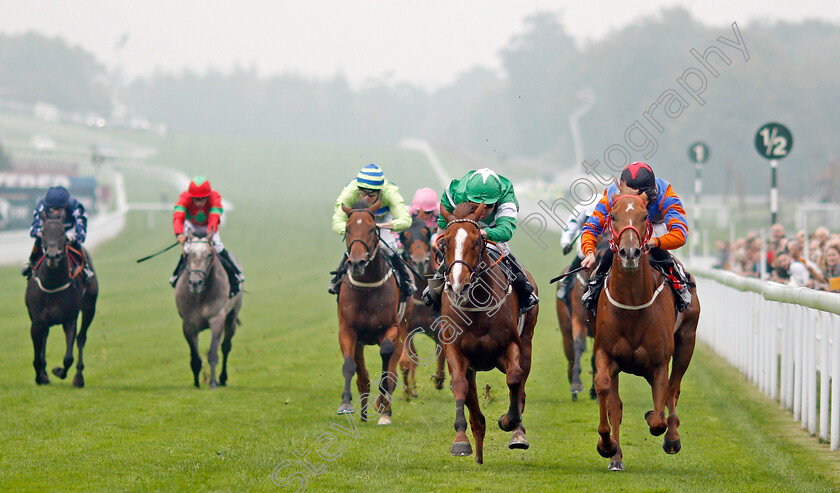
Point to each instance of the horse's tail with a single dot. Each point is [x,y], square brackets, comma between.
[238,322]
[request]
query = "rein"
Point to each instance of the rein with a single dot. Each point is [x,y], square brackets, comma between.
[475,272]
[368,256]
[204,273]
[73,274]
[634,307]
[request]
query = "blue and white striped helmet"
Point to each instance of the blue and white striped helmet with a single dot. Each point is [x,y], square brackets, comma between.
[372,177]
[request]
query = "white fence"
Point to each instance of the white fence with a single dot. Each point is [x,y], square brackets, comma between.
[785,340]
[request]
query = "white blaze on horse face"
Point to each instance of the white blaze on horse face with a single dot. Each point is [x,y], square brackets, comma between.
[460,238]
[358,221]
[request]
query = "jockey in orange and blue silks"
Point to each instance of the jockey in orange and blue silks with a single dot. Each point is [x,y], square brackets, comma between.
[670,231]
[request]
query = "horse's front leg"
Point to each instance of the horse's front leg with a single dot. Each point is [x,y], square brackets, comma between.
[347,341]
[579,346]
[217,329]
[70,340]
[515,379]
[659,389]
[440,375]
[458,367]
[195,360]
[362,381]
[39,334]
[408,363]
[615,411]
[390,349]
[607,447]
[477,421]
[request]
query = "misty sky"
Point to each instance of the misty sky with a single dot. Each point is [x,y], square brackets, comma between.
[426,43]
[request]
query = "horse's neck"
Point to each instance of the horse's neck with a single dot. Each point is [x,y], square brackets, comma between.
[632,286]
[51,278]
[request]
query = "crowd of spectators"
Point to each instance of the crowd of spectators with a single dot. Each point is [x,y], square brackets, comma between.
[811,261]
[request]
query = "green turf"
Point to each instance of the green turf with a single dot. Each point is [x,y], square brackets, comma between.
[140,425]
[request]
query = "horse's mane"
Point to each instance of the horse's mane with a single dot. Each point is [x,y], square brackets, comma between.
[360,204]
[464,209]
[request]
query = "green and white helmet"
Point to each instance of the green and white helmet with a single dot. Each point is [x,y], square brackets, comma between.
[484,185]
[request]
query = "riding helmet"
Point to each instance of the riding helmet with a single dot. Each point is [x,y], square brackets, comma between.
[484,185]
[57,197]
[371,177]
[199,187]
[640,176]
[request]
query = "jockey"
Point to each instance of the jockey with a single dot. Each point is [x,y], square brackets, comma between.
[75,224]
[371,186]
[426,206]
[669,232]
[199,209]
[573,224]
[498,221]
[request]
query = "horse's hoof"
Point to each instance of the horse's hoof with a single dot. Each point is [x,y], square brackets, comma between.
[384,420]
[346,408]
[592,394]
[576,387]
[606,452]
[59,372]
[461,449]
[42,379]
[616,465]
[78,381]
[507,425]
[518,441]
[671,447]
[574,397]
[655,430]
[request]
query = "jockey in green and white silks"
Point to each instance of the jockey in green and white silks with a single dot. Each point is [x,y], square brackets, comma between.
[370,186]
[498,220]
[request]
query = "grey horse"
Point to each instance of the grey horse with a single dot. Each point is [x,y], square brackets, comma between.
[202,297]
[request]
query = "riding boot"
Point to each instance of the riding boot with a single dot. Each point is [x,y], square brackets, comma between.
[235,276]
[596,282]
[338,275]
[432,293]
[677,277]
[566,283]
[406,280]
[179,269]
[524,291]
[26,267]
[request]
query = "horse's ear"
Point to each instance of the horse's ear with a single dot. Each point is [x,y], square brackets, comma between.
[406,237]
[644,197]
[447,216]
[426,233]
[476,215]
[375,206]
[346,209]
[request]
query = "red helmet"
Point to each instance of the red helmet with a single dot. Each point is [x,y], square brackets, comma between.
[200,187]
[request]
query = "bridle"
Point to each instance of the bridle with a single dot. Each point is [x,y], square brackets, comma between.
[615,237]
[204,274]
[370,253]
[475,270]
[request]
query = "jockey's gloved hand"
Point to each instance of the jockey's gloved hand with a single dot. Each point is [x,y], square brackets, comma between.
[71,235]
[182,238]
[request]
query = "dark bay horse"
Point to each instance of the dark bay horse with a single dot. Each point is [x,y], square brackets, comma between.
[369,312]
[202,297]
[576,324]
[55,294]
[417,251]
[481,329]
[637,331]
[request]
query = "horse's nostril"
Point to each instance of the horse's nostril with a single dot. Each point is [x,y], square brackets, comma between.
[637,253]
[622,253]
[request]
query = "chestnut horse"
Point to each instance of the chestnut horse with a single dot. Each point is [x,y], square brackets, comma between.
[55,293]
[576,323]
[481,328]
[417,252]
[637,330]
[369,312]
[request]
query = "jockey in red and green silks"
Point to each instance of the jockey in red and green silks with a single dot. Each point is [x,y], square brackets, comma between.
[370,186]
[199,210]
[498,224]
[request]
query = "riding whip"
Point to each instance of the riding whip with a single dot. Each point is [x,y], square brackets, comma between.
[158,253]
[561,276]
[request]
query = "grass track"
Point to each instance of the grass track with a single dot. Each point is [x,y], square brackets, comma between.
[139,424]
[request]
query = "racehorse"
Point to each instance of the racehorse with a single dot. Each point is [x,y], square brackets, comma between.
[203,300]
[55,293]
[637,330]
[369,312]
[418,253]
[576,323]
[481,328]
